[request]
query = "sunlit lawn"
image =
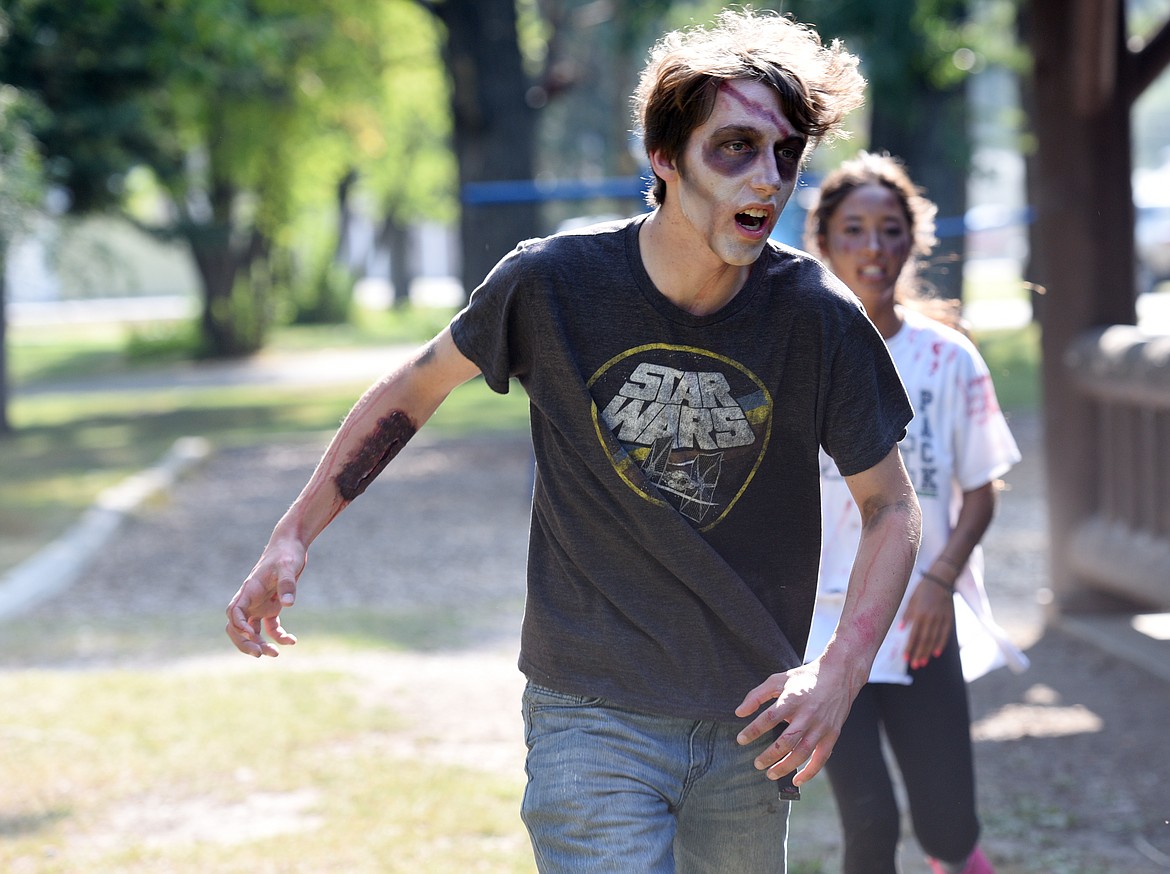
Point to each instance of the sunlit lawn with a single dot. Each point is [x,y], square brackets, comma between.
[113,771]
[70,445]
[183,762]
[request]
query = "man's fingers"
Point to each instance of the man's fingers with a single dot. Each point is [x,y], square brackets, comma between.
[286,590]
[277,633]
[245,630]
[784,755]
[254,644]
[760,726]
[813,767]
[238,619]
[245,642]
[793,749]
[767,691]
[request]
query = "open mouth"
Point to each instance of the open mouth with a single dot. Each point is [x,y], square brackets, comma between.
[752,219]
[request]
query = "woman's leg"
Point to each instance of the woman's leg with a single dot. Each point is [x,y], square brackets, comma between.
[865,795]
[928,726]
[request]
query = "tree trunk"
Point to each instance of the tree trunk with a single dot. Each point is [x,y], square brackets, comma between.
[395,238]
[211,249]
[234,317]
[342,253]
[5,422]
[495,128]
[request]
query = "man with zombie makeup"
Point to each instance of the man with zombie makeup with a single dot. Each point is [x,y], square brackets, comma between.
[683,373]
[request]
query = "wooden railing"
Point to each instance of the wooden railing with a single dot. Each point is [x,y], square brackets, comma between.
[1123,546]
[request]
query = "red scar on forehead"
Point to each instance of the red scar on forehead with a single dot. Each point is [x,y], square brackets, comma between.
[757,109]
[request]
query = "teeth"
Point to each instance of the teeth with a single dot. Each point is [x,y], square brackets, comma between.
[756,213]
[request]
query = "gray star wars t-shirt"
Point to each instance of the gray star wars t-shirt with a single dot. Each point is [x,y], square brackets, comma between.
[675,527]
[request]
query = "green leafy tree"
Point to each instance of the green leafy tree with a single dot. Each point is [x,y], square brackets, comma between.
[252,108]
[229,104]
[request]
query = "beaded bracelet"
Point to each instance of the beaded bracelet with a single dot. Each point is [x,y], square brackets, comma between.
[938,581]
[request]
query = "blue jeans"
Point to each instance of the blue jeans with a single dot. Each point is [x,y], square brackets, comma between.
[611,790]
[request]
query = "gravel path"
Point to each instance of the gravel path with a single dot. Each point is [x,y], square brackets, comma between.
[446,524]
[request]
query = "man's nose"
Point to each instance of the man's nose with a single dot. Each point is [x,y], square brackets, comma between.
[767,179]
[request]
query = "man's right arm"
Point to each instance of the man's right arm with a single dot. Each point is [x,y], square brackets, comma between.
[815,698]
[373,433]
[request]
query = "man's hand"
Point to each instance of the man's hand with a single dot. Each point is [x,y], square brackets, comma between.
[814,708]
[255,609]
[813,700]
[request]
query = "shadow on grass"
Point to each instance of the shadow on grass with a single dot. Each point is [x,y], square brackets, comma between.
[155,641]
[54,466]
[18,825]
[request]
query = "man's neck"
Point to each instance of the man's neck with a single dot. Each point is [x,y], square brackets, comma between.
[684,269]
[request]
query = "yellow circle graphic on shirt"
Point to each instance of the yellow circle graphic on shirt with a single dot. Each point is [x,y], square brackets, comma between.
[682,426]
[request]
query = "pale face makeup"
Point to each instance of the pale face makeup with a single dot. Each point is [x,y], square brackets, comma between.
[738,170]
[866,243]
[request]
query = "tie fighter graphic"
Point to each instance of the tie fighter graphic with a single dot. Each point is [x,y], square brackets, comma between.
[691,482]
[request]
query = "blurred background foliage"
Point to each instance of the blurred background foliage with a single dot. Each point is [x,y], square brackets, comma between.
[250,130]
[256,133]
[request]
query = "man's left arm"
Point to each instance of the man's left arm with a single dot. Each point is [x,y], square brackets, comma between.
[814,699]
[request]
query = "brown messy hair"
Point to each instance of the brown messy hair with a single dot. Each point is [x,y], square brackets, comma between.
[817,85]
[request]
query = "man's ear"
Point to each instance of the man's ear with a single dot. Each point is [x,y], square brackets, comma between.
[665,169]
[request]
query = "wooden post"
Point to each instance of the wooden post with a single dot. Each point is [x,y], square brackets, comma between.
[1084,238]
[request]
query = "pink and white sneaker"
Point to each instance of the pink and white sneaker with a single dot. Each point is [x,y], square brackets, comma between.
[977,863]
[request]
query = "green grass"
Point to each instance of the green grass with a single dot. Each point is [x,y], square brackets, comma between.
[143,744]
[44,353]
[368,328]
[70,445]
[131,640]
[1013,357]
[233,771]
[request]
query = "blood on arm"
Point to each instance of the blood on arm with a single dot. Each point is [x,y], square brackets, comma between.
[385,442]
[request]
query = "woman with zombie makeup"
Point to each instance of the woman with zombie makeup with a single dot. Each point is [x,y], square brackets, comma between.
[870,225]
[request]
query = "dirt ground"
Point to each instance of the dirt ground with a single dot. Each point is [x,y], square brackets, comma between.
[1072,756]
